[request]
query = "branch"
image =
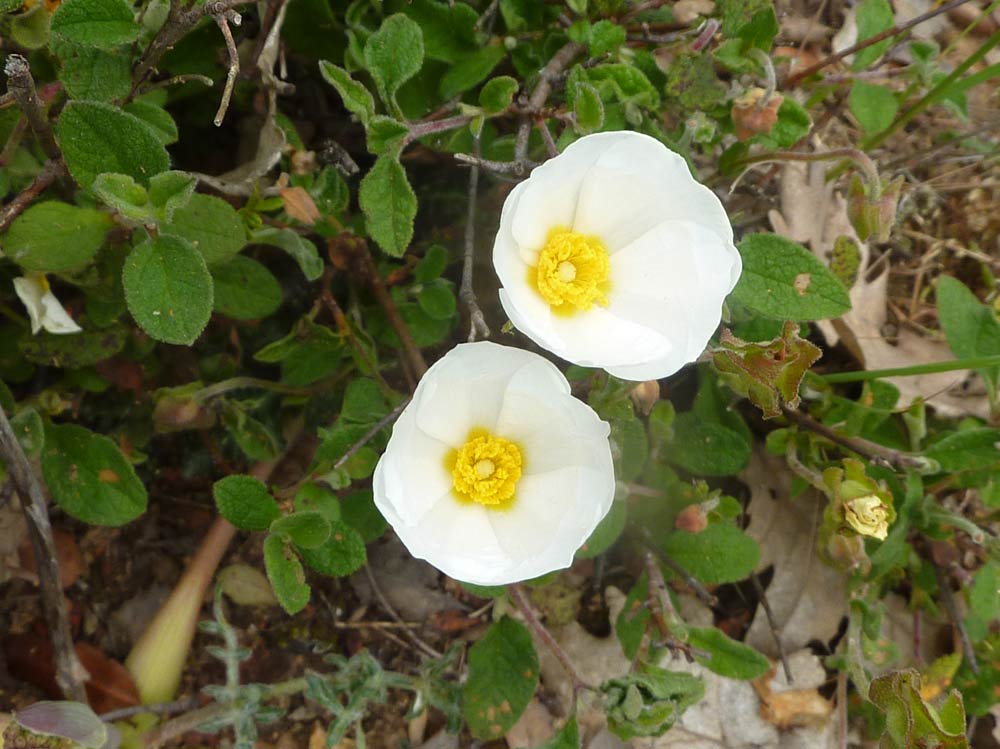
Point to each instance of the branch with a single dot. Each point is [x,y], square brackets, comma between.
[477,324]
[16,207]
[499,167]
[519,600]
[950,607]
[223,20]
[560,60]
[797,77]
[70,673]
[886,456]
[377,427]
[22,86]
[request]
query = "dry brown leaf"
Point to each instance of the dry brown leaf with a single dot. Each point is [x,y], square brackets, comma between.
[807,597]
[813,214]
[300,205]
[798,704]
[533,728]
[246,586]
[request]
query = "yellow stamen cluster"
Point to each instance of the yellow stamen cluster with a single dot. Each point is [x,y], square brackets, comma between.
[572,271]
[486,470]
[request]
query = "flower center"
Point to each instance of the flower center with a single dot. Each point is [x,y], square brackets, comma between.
[486,470]
[572,271]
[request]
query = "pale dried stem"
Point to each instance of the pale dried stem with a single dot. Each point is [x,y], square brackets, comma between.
[223,20]
[477,323]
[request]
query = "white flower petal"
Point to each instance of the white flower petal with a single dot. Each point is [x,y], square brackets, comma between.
[466,390]
[43,308]
[638,183]
[550,195]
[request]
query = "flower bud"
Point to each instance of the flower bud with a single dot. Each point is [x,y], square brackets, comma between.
[873,213]
[868,516]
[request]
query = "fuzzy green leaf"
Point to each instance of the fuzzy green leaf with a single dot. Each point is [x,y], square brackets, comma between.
[707,448]
[343,553]
[245,289]
[211,226]
[104,24]
[503,676]
[245,502]
[306,530]
[721,553]
[726,656]
[285,572]
[389,204]
[356,97]
[970,326]
[471,70]
[497,94]
[168,289]
[873,106]
[394,54]
[95,74]
[89,477]
[302,250]
[873,17]
[55,237]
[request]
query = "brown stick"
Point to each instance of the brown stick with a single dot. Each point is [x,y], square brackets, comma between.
[22,86]
[477,323]
[70,673]
[17,206]
[412,355]
[540,94]
[223,20]
[797,77]
[951,608]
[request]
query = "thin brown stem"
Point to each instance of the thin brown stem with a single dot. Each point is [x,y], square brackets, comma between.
[70,673]
[16,207]
[552,70]
[957,621]
[466,292]
[391,611]
[772,625]
[795,78]
[223,20]
[344,326]
[499,167]
[696,587]
[377,427]
[520,601]
[430,127]
[886,456]
[22,86]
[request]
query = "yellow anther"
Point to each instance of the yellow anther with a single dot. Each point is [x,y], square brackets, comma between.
[572,271]
[486,470]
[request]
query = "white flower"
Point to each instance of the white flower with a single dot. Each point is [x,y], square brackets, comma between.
[43,308]
[494,473]
[611,255]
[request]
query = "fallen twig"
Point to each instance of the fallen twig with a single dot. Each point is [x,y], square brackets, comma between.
[70,673]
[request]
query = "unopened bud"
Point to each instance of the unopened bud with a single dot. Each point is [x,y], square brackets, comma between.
[868,516]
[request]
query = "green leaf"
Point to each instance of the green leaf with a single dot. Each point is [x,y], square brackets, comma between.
[386,135]
[389,204]
[568,737]
[873,17]
[438,301]
[104,24]
[31,29]
[89,477]
[873,106]
[605,38]
[302,250]
[449,29]
[364,402]
[726,656]
[156,118]
[721,553]
[984,601]
[75,351]
[606,532]
[256,440]
[169,191]
[358,510]
[126,196]
[55,237]
[97,138]
[306,529]
[89,73]
[783,280]
[648,701]
[503,676]
[245,289]
[634,618]
[588,108]
[471,70]
[356,97]
[285,572]
[497,94]
[29,429]
[211,226]
[312,497]
[342,554]
[245,502]
[431,265]
[910,721]
[969,450]
[970,326]
[168,289]
[394,54]
[793,124]
[707,448]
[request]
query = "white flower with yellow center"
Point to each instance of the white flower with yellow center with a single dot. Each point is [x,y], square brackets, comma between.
[43,308]
[611,255]
[494,472]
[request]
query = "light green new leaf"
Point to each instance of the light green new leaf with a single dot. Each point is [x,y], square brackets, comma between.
[302,250]
[394,54]
[970,326]
[783,280]
[285,572]
[357,99]
[497,94]
[89,477]
[104,24]
[873,17]
[503,676]
[168,289]
[587,108]
[211,226]
[873,106]
[170,191]
[54,237]
[126,196]
[389,204]
[97,138]
[245,502]
[245,289]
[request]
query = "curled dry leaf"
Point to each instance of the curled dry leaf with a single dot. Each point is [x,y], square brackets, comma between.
[300,205]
